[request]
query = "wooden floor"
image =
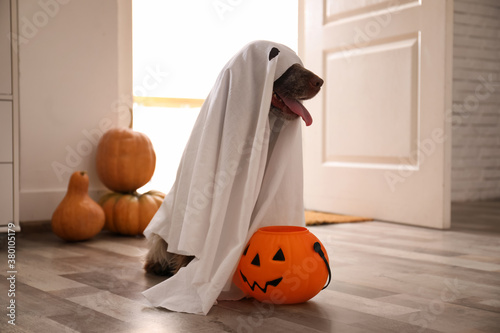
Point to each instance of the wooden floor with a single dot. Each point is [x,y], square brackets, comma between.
[386,278]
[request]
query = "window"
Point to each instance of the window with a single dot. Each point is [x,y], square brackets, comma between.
[179,49]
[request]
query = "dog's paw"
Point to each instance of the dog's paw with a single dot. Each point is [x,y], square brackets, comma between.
[157,269]
[161,262]
[157,259]
[178,261]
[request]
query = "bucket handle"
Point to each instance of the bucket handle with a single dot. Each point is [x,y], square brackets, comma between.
[317,249]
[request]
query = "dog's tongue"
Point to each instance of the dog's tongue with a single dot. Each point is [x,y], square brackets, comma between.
[299,109]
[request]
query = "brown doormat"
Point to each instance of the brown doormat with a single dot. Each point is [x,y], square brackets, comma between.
[316,218]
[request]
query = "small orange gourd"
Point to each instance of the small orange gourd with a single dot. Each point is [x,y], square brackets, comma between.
[130,214]
[77,217]
[283,265]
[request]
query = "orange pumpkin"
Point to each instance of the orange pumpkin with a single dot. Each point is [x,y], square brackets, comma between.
[77,217]
[125,160]
[130,214]
[282,265]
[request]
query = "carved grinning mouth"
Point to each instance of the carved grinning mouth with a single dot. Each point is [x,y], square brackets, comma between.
[273,283]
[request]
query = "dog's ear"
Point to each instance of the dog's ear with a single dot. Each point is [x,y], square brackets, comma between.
[274,52]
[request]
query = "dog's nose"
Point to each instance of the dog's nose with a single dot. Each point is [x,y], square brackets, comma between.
[316,82]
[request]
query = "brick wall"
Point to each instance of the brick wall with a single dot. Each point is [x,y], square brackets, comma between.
[476,101]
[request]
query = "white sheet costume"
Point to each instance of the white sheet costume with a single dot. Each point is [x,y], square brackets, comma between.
[241,170]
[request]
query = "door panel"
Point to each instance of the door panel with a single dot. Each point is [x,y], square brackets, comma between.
[380,141]
[391,69]
[337,10]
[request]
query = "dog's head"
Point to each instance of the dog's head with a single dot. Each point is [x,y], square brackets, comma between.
[295,85]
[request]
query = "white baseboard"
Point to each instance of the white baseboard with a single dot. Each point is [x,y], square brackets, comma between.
[39,205]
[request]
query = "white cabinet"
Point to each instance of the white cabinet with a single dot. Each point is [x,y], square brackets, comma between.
[6,197]
[9,116]
[6,132]
[5,49]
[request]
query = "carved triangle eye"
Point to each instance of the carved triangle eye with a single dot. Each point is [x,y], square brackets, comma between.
[279,256]
[256,260]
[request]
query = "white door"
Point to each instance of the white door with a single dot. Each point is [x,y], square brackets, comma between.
[380,141]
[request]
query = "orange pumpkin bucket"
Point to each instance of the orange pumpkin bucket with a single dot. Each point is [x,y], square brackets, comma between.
[283,265]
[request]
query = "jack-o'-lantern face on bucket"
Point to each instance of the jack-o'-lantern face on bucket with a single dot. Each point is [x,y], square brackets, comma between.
[282,265]
[279,256]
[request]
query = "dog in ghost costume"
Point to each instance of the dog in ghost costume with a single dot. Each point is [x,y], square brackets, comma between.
[296,84]
[241,170]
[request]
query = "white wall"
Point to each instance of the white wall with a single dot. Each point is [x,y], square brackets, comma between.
[70,92]
[476,100]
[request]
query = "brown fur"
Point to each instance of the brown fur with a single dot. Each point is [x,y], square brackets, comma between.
[296,83]
[161,262]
